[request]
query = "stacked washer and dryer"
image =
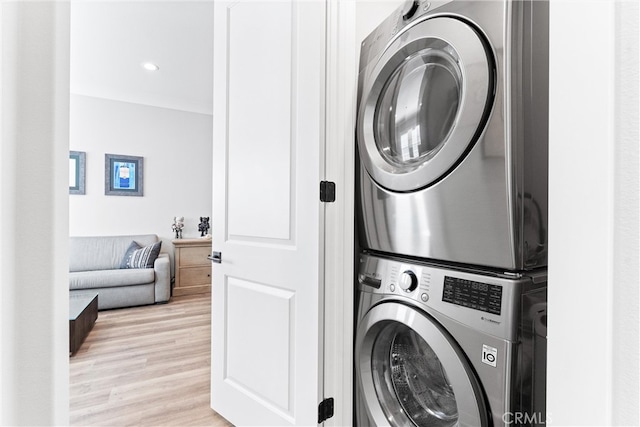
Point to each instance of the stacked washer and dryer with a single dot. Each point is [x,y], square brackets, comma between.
[452,224]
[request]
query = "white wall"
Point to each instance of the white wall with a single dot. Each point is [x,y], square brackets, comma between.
[626,202]
[34,298]
[176,146]
[593,214]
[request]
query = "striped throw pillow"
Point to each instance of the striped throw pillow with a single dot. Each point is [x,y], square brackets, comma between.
[140,257]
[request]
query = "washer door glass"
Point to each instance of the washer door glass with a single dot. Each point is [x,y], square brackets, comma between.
[424,102]
[411,372]
[418,106]
[407,371]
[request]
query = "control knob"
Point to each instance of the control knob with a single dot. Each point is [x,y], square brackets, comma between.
[409,9]
[408,281]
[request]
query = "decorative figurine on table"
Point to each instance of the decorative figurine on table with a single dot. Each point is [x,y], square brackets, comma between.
[177,226]
[203,227]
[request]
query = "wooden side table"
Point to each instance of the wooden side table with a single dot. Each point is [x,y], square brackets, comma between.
[193,268]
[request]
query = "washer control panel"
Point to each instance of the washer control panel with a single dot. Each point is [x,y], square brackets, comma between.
[472,294]
[395,278]
[486,302]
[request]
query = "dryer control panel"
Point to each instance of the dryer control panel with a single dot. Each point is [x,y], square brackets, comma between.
[486,302]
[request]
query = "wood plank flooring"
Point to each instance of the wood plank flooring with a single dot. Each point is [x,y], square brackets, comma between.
[146,366]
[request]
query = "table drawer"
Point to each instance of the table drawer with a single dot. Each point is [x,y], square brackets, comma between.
[196,255]
[195,276]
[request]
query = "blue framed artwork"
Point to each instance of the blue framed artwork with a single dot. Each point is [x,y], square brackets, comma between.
[77,173]
[123,175]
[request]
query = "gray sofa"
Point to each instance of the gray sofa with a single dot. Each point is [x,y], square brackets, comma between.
[95,267]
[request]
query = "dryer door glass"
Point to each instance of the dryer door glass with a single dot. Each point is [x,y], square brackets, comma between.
[409,377]
[418,106]
[423,102]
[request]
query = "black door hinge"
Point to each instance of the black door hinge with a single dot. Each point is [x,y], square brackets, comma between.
[325,410]
[327,191]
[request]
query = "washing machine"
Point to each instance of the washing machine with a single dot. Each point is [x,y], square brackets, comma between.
[452,133]
[442,347]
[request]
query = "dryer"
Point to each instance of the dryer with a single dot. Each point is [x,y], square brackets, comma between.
[452,133]
[442,347]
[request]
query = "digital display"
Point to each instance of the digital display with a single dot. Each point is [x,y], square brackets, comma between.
[470,294]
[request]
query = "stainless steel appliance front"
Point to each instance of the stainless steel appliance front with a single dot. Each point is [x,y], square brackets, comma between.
[442,347]
[452,134]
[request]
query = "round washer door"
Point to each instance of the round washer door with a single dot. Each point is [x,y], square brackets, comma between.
[424,104]
[411,373]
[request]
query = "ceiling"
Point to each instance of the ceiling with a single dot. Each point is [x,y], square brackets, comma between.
[111,39]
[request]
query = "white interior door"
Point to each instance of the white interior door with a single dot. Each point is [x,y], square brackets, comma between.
[267,163]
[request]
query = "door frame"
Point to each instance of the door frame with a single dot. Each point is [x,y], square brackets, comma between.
[341,76]
[34,202]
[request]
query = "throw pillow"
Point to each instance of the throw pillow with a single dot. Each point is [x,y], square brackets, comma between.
[127,255]
[140,257]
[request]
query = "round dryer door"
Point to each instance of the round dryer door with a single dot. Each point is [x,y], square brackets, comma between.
[410,372]
[424,103]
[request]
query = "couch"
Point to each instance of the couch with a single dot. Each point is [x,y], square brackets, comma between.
[99,265]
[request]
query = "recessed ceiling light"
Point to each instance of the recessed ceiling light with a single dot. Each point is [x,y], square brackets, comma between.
[149,66]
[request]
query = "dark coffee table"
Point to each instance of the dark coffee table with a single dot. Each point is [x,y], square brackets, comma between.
[83,313]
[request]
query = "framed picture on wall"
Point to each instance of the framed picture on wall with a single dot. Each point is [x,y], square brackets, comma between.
[77,172]
[123,175]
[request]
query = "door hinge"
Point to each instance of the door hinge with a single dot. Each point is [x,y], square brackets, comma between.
[325,410]
[327,191]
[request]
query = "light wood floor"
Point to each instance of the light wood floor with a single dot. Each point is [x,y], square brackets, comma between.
[146,366]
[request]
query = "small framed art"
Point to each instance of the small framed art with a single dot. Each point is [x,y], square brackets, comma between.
[77,171]
[123,175]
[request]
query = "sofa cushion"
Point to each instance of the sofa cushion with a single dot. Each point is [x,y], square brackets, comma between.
[110,278]
[104,252]
[140,257]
